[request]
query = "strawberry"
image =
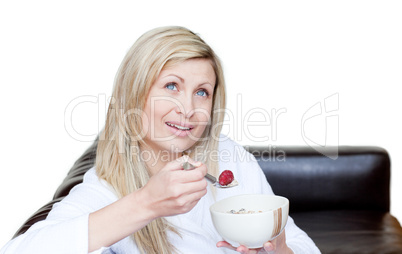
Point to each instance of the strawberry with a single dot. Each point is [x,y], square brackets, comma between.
[226,177]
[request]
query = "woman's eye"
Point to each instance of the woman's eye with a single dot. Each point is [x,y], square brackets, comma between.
[202,93]
[171,86]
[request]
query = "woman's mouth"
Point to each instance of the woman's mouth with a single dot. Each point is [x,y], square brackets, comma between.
[180,129]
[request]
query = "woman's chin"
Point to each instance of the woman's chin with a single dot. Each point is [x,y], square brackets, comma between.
[172,144]
[180,148]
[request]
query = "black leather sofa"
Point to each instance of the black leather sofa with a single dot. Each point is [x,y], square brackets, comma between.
[343,204]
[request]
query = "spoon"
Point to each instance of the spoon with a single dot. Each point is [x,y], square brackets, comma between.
[188,166]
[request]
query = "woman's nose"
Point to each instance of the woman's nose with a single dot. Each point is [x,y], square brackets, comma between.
[186,107]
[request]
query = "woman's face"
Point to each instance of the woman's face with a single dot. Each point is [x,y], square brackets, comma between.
[179,106]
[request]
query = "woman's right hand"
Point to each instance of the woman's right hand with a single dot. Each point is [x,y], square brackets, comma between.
[169,192]
[173,190]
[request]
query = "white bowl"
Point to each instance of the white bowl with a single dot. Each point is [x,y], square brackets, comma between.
[250,229]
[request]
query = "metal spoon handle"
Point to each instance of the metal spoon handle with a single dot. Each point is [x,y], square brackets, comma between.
[210,178]
[189,166]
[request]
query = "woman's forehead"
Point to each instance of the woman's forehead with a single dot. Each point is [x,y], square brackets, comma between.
[198,66]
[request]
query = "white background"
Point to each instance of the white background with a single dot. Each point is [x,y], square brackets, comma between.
[287,55]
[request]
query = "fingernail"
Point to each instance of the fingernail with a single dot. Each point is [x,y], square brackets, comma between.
[269,247]
[197,163]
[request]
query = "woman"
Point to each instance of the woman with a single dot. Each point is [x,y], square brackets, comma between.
[167,109]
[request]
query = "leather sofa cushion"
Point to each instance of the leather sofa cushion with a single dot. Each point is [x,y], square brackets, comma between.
[358,179]
[346,231]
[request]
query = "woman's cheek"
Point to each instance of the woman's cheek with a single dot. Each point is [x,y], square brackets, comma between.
[202,121]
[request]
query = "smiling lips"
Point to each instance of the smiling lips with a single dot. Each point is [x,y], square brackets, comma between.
[180,129]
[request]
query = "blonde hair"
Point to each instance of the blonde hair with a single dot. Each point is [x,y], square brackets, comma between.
[118,154]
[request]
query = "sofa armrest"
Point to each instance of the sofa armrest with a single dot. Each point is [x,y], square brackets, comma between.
[357,179]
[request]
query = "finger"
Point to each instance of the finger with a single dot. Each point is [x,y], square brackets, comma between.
[194,162]
[225,245]
[181,189]
[269,246]
[198,194]
[186,176]
[195,186]
[242,249]
[187,202]
[246,250]
[198,172]
[272,246]
[195,199]
[177,189]
[178,163]
[186,158]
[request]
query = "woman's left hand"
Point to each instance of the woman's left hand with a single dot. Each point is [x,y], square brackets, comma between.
[278,245]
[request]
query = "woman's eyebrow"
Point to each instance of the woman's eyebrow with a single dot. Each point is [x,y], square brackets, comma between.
[206,83]
[181,79]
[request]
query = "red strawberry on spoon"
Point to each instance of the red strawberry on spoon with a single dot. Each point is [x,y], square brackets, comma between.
[226,178]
